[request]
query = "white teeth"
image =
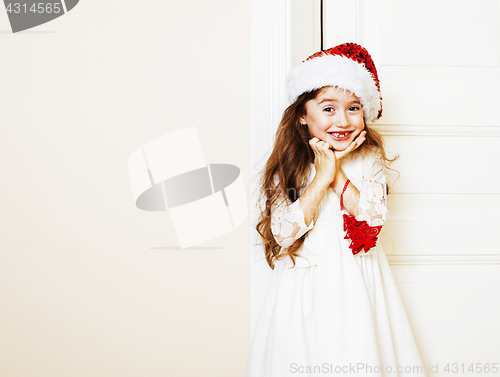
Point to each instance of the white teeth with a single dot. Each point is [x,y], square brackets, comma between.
[336,134]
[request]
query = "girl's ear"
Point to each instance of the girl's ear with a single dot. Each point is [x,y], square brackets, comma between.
[302,119]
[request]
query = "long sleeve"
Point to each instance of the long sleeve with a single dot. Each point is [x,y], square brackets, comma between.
[287,222]
[373,193]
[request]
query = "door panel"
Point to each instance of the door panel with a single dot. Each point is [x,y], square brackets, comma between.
[438,63]
[439,33]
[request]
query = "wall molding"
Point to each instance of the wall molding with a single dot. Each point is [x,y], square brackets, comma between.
[442,259]
[437,131]
[445,216]
[269,64]
[270,59]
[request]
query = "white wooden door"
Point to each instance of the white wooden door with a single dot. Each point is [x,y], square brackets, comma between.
[439,67]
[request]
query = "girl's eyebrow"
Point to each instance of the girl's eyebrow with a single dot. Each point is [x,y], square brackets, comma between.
[327,99]
[334,100]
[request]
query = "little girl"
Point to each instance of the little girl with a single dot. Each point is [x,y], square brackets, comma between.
[332,307]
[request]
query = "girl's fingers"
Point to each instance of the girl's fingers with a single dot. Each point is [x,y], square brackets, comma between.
[361,138]
[324,148]
[354,144]
[357,142]
[319,146]
[313,144]
[350,148]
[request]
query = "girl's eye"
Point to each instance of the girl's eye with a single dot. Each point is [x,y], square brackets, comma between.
[353,108]
[328,109]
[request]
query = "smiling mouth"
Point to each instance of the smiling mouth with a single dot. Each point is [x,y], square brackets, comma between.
[340,136]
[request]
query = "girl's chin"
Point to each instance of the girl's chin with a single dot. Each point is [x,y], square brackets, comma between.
[340,146]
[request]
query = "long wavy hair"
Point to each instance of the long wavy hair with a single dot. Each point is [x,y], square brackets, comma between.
[290,161]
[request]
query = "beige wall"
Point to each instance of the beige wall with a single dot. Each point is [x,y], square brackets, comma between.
[89,284]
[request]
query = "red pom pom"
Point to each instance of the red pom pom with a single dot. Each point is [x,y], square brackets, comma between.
[360,233]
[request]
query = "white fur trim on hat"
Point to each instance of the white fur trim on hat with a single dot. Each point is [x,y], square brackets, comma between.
[339,71]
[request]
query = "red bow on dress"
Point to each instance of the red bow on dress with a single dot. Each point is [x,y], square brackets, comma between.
[362,235]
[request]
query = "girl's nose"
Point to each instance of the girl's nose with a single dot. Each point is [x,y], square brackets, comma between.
[342,120]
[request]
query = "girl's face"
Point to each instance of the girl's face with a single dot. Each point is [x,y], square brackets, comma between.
[334,116]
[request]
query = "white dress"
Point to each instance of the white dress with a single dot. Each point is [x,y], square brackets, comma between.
[334,313]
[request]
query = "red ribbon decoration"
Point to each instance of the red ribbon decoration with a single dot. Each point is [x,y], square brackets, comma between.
[362,235]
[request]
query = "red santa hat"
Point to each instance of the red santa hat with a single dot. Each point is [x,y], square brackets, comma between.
[347,66]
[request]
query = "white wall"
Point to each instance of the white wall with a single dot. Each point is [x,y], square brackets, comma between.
[89,284]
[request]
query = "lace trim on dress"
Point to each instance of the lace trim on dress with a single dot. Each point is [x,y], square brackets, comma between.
[287,222]
[373,194]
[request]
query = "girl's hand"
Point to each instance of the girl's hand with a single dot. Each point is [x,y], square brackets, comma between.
[338,184]
[354,144]
[325,161]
